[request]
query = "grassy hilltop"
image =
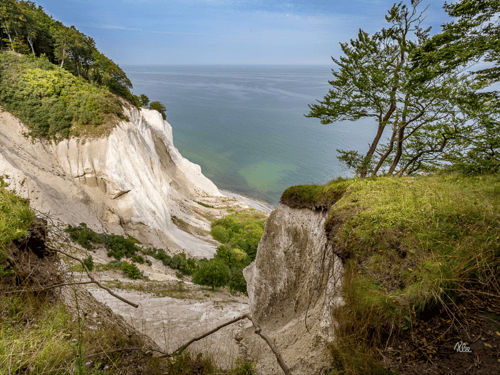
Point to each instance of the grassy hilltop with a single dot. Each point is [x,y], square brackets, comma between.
[421,253]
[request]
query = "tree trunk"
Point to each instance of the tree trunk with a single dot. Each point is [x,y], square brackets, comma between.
[31,45]
[399,144]
[381,127]
[391,144]
[8,34]
[62,62]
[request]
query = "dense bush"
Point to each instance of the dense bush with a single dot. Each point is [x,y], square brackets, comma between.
[89,263]
[234,260]
[211,273]
[241,235]
[238,252]
[159,107]
[241,238]
[178,261]
[50,100]
[237,281]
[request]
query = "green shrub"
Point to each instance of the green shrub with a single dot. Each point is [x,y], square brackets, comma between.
[237,281]
[131,270]
[212,273]
[220,233]
[238,233]
[159,107]
[244,367]
[115,263]
[178,262]
[89,263]
[230,257]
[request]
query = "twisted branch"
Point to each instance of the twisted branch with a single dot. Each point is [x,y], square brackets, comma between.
[94,281]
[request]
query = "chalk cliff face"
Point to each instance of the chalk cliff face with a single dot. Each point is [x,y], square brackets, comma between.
[130,182]
[296,274]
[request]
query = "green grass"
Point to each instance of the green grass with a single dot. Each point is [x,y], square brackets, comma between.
[39,337]
[408,245]
[316,196]
[15,221]
[52,102]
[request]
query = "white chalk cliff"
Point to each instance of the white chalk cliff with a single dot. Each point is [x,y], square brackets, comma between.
[293,286]
[130,182]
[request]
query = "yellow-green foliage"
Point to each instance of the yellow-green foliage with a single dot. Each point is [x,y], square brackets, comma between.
[241,231]
[416,240]
[408,244]
[51,101]
[15,217]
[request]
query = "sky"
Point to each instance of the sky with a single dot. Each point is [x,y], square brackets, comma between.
[284,32]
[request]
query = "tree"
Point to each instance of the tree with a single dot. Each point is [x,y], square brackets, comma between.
[12,19]
[159,107]
[65,38]
[143,101]
[373,82]
[472,36]
[212,273]
[105,72]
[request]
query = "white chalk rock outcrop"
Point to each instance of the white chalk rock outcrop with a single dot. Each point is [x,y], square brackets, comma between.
[296,274]
[130,182]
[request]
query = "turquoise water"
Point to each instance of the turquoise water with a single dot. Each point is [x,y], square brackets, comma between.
[245,125]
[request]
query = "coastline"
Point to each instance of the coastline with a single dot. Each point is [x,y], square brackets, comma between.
[254,203]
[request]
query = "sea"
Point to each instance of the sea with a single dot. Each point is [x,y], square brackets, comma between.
[245,125]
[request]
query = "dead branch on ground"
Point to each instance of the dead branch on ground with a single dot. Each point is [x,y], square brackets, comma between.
[94,281]
[258,331]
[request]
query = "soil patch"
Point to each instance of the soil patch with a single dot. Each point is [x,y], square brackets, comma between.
[464,339]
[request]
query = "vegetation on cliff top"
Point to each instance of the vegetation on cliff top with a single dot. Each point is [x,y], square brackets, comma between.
[50,98]
[52,102]
[409,246]
[414,247]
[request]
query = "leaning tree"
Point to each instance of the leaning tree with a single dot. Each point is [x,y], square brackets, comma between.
[374,80]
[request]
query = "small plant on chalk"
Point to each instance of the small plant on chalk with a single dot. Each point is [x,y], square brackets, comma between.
[89,263]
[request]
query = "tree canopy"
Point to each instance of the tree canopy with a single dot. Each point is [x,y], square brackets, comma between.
[430,112]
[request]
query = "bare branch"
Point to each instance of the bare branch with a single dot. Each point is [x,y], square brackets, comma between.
[94,280]
[46,288]
[183,347]
[258,331]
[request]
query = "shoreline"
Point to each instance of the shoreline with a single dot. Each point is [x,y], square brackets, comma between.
[254,203]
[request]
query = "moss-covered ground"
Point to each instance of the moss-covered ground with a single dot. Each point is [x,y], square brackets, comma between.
[413,248]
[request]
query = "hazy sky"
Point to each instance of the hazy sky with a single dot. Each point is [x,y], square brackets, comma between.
[227,31]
